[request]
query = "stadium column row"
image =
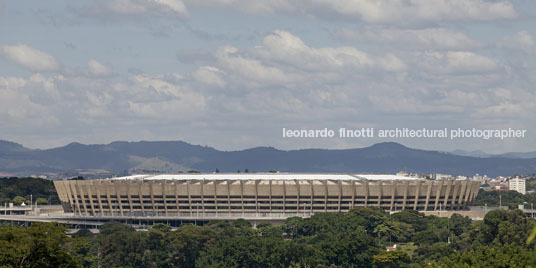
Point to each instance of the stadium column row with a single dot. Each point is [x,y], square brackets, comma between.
[173,197]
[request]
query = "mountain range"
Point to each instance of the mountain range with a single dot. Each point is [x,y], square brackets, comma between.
[118,158]
[479,153]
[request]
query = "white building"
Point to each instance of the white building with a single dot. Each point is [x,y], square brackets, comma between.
[438,176]
[517,184]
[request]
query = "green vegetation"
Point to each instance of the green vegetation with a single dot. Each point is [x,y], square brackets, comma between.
[511,199]
[355,239]
[18,190]
[41,245]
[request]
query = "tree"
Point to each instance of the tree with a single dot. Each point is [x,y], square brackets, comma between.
[18,200]
[485,256]
[41,201]
[40,245]
[186,244]
[254,251]
[504,227]
[391,259]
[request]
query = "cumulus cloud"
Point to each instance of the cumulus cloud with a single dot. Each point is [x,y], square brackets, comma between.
[99,69]
[30,58]
[161,96]
[520,41]
[382,11]
[210,76]
[251,92]
[455,62]
[284,58]
[411,39]
[174,9]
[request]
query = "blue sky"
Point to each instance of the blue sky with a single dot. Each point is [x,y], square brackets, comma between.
[232,73]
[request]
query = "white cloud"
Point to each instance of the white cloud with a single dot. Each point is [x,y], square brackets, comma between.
[161,96]
[253,91]
[99,69]
[411,39]
[521,41]
[158,8]
[456,62]
[385,11]
[30,58]
[289,50]
[378,11]
[252,7]
[210,76]
[251,71]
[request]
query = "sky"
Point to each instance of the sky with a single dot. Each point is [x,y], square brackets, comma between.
[232,74]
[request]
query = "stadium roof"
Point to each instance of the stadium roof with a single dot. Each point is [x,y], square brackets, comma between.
[266,176]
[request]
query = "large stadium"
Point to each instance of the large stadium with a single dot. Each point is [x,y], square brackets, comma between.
[260,194]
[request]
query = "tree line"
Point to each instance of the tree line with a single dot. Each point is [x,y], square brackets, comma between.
[18,190]
[358,238]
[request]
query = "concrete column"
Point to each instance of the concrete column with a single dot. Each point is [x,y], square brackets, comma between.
[417,194]
[76,199]
[448,196]
[298,197]
[118,197]
[270,196]
[380,198]
[284,197]
[202,191]
[428,193]
[406,189]
[393,194]
[98,189]
[152,196]
[455,194]
[467,193]
[65,185]
[176,186]
[85,202]
[438,193]
[108,197]
[312,195]
[90,194]
[140,195]
[163,189]
[354,194]
[326,196]
[129,196]
[242,194]
[463,188]
[229,195]
[215,197]
[189,196]
[340,196]
[367,192]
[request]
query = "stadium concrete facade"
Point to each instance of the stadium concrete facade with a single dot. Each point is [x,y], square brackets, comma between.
[259,194]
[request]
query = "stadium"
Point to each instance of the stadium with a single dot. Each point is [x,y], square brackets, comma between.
[261,194]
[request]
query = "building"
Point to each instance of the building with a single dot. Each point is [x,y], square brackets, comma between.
[259,194]
[438,176]
[517,184]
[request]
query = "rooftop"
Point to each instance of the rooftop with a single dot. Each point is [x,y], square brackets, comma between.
[266,176]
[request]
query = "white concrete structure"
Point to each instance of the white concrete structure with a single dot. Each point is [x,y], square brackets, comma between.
[517,184]
[260,194]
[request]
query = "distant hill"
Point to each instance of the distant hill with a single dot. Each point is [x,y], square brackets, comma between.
[177,156]
[479,153]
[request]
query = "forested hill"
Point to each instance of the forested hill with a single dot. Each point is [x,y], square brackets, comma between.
[177,156]
[18,190]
